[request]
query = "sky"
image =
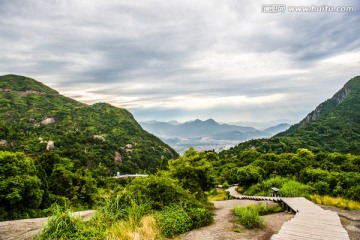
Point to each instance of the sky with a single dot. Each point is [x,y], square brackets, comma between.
[230,60]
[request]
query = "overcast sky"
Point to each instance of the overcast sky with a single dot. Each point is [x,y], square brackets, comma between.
[164,60]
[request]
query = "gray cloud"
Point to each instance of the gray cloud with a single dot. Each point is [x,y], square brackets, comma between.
[157,57]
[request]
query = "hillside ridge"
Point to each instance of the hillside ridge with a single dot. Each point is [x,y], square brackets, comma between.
[38,120]
[332,127]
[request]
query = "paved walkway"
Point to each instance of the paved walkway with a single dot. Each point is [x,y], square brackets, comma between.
[310,222]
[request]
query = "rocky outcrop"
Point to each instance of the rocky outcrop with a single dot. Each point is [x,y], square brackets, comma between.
[325,107]
[48,121]
[117,157]
[99,138]
[3,142]
[50,145]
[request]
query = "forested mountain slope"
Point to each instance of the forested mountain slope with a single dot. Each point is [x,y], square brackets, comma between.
[334,126]
[37,120]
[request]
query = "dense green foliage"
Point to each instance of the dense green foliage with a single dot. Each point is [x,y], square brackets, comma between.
[20,188]
[93,142]
[175,214]
[332,174]
[90,143]
[334,126]
[88,135]
[194,170]
[173,220]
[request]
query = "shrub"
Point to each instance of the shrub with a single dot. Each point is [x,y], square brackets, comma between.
[225,185]
[264,209]
[264,188]
[200,217]
[173,220]
[64,226]
[322,187]
[248,217]
[160,191]
[293,188]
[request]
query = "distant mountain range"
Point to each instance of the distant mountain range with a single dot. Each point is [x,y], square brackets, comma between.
[207,134]
[334,126]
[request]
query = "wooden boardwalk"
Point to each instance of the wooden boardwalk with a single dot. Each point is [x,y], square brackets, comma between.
[310,221]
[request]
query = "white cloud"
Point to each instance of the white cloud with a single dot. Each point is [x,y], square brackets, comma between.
[227,58]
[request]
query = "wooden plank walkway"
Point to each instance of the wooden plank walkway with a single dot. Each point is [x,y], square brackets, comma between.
[311,222]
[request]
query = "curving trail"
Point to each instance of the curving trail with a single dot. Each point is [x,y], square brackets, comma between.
[224,228]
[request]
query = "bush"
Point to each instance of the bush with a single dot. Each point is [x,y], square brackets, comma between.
[264,188]
[295,189]
[322,187]
[173,220]
[248,217]
[160,191]
[200,217]
[64,226]
[264,209]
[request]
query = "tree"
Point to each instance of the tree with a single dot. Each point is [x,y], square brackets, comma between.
[20,188]
[194,171]
[248,175]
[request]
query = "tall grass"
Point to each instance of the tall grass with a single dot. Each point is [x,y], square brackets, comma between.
[131,230]
[65,226]
[335,202]
[217,195]
[250,216]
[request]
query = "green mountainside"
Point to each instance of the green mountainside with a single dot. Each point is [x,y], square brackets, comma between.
[334,126]
[37,120]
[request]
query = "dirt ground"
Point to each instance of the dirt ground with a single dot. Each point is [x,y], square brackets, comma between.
[224,227]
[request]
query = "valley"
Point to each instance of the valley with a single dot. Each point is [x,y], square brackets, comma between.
[207,135]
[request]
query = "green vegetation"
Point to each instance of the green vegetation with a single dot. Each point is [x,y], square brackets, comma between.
[249,216]
[173,220]
[90,144]
[335,202]
[88,135]
[316,159]
[333,126]
[295,174]
[218,195]
[20,188]
[157,206]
